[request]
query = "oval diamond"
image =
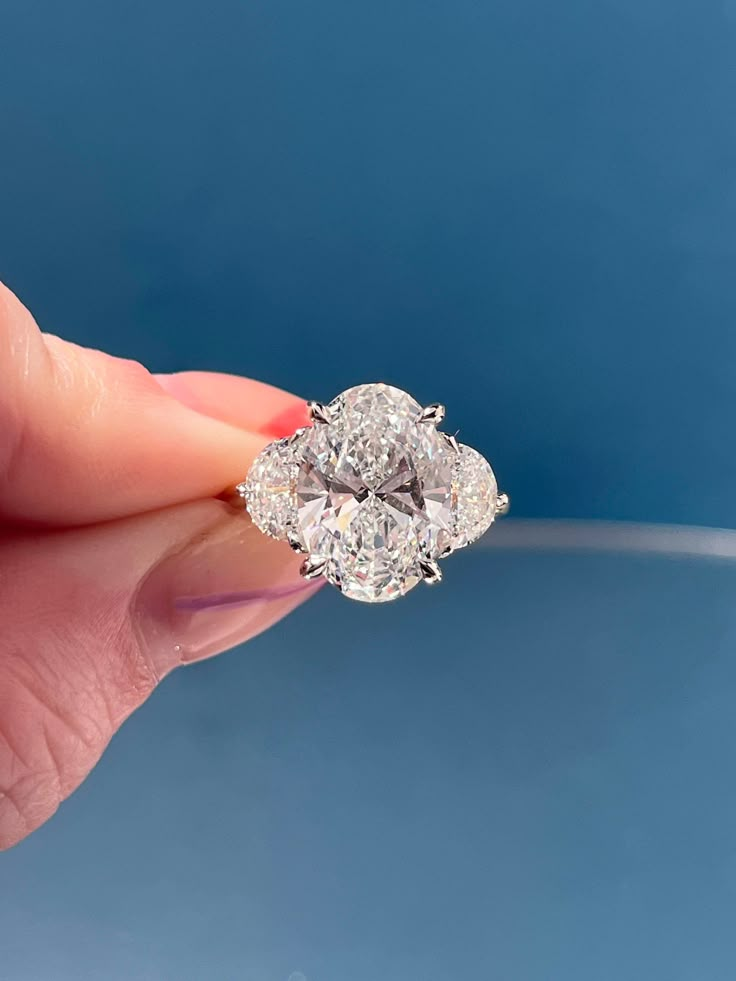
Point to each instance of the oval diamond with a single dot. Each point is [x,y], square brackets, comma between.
[374,492]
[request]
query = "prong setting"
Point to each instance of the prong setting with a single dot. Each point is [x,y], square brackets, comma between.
[295,437]
[433,413]
[319,413]
[431,572]
[451,442]
[295,542]
[312,568]
[503,503]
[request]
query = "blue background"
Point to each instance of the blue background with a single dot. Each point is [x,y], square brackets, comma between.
[528,211]
[524,209]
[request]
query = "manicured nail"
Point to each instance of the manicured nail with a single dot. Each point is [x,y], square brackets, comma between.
[219,590]
[221,397]
[287,422]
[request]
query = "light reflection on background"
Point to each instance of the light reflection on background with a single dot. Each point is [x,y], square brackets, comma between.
[612,536]
[525,772]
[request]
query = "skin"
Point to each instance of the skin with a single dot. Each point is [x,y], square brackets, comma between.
[117,562]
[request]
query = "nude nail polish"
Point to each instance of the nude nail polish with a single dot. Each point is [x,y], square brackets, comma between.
[224,587]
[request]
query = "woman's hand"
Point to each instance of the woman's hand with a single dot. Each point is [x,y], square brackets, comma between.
[117,564]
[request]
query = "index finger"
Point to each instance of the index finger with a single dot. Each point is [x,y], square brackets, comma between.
[87,437]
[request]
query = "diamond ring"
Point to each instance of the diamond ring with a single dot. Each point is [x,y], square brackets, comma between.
[372,493]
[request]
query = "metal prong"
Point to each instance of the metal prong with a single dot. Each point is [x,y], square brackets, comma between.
[318,412]
[290,440]
[433,413]
[294,542]
[447,550]
[503,503]
[312,568]
[452,441]
[234,496]
[431,572]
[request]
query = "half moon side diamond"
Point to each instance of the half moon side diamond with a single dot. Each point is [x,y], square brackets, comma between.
[270,490]
[476,493]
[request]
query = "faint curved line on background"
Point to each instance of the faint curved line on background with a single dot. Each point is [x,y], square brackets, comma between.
[538,534]
[565,535]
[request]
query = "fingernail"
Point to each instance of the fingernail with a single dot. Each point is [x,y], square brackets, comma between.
[259,417]
[287,422]
[219,590]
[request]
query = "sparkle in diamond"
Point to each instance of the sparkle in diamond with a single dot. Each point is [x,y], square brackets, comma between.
[476,494]
[269,490]
[374,493]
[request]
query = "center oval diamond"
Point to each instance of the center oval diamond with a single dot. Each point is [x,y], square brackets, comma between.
[374,492]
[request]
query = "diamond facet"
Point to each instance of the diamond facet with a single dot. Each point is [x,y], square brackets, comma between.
[374,493]
[476,493]
[269,490]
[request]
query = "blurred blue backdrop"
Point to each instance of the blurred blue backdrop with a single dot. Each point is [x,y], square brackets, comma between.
[548,797]
[528,211]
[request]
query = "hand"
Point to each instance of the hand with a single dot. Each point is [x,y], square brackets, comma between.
[117,563]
